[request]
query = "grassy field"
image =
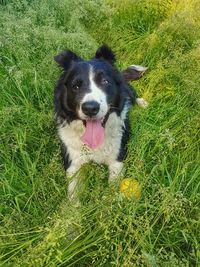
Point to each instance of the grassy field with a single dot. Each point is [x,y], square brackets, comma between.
[38,225]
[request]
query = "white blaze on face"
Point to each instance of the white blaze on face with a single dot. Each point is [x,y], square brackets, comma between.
[95,94]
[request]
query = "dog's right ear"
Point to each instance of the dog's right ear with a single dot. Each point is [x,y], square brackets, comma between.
[105,52]
[65,58]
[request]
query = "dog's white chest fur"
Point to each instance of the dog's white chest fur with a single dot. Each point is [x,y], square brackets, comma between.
[79,153]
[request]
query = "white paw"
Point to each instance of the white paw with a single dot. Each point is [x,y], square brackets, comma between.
[71,187]
[142,102]
[73,192]
[115,170]
[72,170]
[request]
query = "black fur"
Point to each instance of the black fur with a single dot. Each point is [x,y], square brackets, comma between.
[124,140]
[65,156]
[104,52]
[65,58]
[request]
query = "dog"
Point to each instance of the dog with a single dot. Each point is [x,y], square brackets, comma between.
[92,99]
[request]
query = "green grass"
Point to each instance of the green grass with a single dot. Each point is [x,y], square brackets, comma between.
[38,225]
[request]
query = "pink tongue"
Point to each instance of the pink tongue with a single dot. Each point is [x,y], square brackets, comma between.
[94,134]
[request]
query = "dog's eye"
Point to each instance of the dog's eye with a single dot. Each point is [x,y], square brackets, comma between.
[75,87]
[104,81]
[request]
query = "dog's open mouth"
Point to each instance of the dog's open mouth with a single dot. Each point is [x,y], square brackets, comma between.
[94,133]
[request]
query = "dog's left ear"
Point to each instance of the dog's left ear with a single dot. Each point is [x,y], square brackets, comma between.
[104,52]
[65,58]
[134,72]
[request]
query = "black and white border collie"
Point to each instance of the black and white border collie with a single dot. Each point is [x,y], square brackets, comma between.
[92,99]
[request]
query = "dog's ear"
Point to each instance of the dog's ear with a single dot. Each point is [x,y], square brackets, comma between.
[127,94]
[134,72]
[65,58]
[104,52]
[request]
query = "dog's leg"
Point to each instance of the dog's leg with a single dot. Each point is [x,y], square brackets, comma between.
[115,169]
[72,172]
[71,167]
[72,189]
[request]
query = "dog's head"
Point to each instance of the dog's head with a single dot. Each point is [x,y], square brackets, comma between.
[89,90]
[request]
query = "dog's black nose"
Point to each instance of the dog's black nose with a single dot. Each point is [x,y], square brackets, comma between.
[90,108]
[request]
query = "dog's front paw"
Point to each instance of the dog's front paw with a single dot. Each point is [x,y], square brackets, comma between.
[72,170]
[73,184]
[115,169]
[73,192]
[72,188]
